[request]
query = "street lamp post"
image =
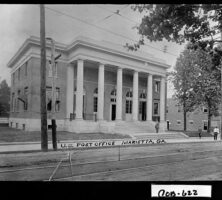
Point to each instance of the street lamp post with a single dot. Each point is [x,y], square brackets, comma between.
[54,140]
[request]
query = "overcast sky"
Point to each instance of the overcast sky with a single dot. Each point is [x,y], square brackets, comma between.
[18,22]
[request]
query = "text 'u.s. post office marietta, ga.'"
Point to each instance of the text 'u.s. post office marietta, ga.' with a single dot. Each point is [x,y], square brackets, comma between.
[100,87]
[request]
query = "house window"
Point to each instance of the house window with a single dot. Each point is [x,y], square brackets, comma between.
[95,100]
[205,110]
[178,122]
[129,96]
[157,86]
[156,108]
[205,125]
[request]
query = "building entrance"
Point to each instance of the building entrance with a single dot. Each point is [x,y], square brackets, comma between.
[113,112]
[143,111]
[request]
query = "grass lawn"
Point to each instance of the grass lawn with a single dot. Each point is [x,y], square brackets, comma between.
[8,134]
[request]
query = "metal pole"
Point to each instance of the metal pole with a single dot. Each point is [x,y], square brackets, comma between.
[44,136]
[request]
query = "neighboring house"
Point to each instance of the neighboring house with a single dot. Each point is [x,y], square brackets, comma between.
[199,117]
[96,82]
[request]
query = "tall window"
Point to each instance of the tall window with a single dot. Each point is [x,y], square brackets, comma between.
[129,96]
[19,72]
[95,100]
[156,108]
[26,98]
[157,86]
[113,96]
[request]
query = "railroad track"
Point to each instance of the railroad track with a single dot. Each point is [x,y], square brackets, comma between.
[74,169]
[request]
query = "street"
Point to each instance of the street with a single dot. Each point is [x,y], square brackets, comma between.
[166,162]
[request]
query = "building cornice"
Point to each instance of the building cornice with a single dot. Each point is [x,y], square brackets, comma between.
[85,42]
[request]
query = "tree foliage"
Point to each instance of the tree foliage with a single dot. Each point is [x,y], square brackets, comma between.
[179,23]
[4,98]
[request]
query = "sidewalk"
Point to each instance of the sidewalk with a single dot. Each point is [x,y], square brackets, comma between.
[36,146]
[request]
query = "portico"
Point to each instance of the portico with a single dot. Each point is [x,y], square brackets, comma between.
[120,106]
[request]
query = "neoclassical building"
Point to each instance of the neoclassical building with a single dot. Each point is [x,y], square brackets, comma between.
[100,87]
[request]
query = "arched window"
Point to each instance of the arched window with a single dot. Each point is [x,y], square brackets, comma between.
[113,96]
[129,96]
[95,100]
[143,96]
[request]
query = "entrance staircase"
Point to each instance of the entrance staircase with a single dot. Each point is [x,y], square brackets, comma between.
[145,130]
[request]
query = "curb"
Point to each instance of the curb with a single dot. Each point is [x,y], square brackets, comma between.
[88,148]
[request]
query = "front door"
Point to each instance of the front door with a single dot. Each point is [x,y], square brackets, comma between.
[113,112]
[143,110]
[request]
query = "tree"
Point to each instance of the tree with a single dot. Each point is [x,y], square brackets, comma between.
[4,98]
[206,87]
[182,79]
[179,23]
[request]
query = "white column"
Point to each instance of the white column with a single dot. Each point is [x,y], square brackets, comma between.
[79,91]
[100,105]
[135,95]
[149,98]
[119,94]
[69,90]
[162,99]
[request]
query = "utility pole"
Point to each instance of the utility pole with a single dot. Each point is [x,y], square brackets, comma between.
[53,118]
[44,136]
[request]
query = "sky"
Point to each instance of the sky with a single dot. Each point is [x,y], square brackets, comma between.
[20,21]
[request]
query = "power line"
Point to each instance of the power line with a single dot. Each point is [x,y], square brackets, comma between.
[117,13]
[120,35]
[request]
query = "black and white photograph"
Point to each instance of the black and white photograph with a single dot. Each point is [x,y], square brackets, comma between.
[111,92]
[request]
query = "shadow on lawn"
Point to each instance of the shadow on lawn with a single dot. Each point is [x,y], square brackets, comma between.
[8,134]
